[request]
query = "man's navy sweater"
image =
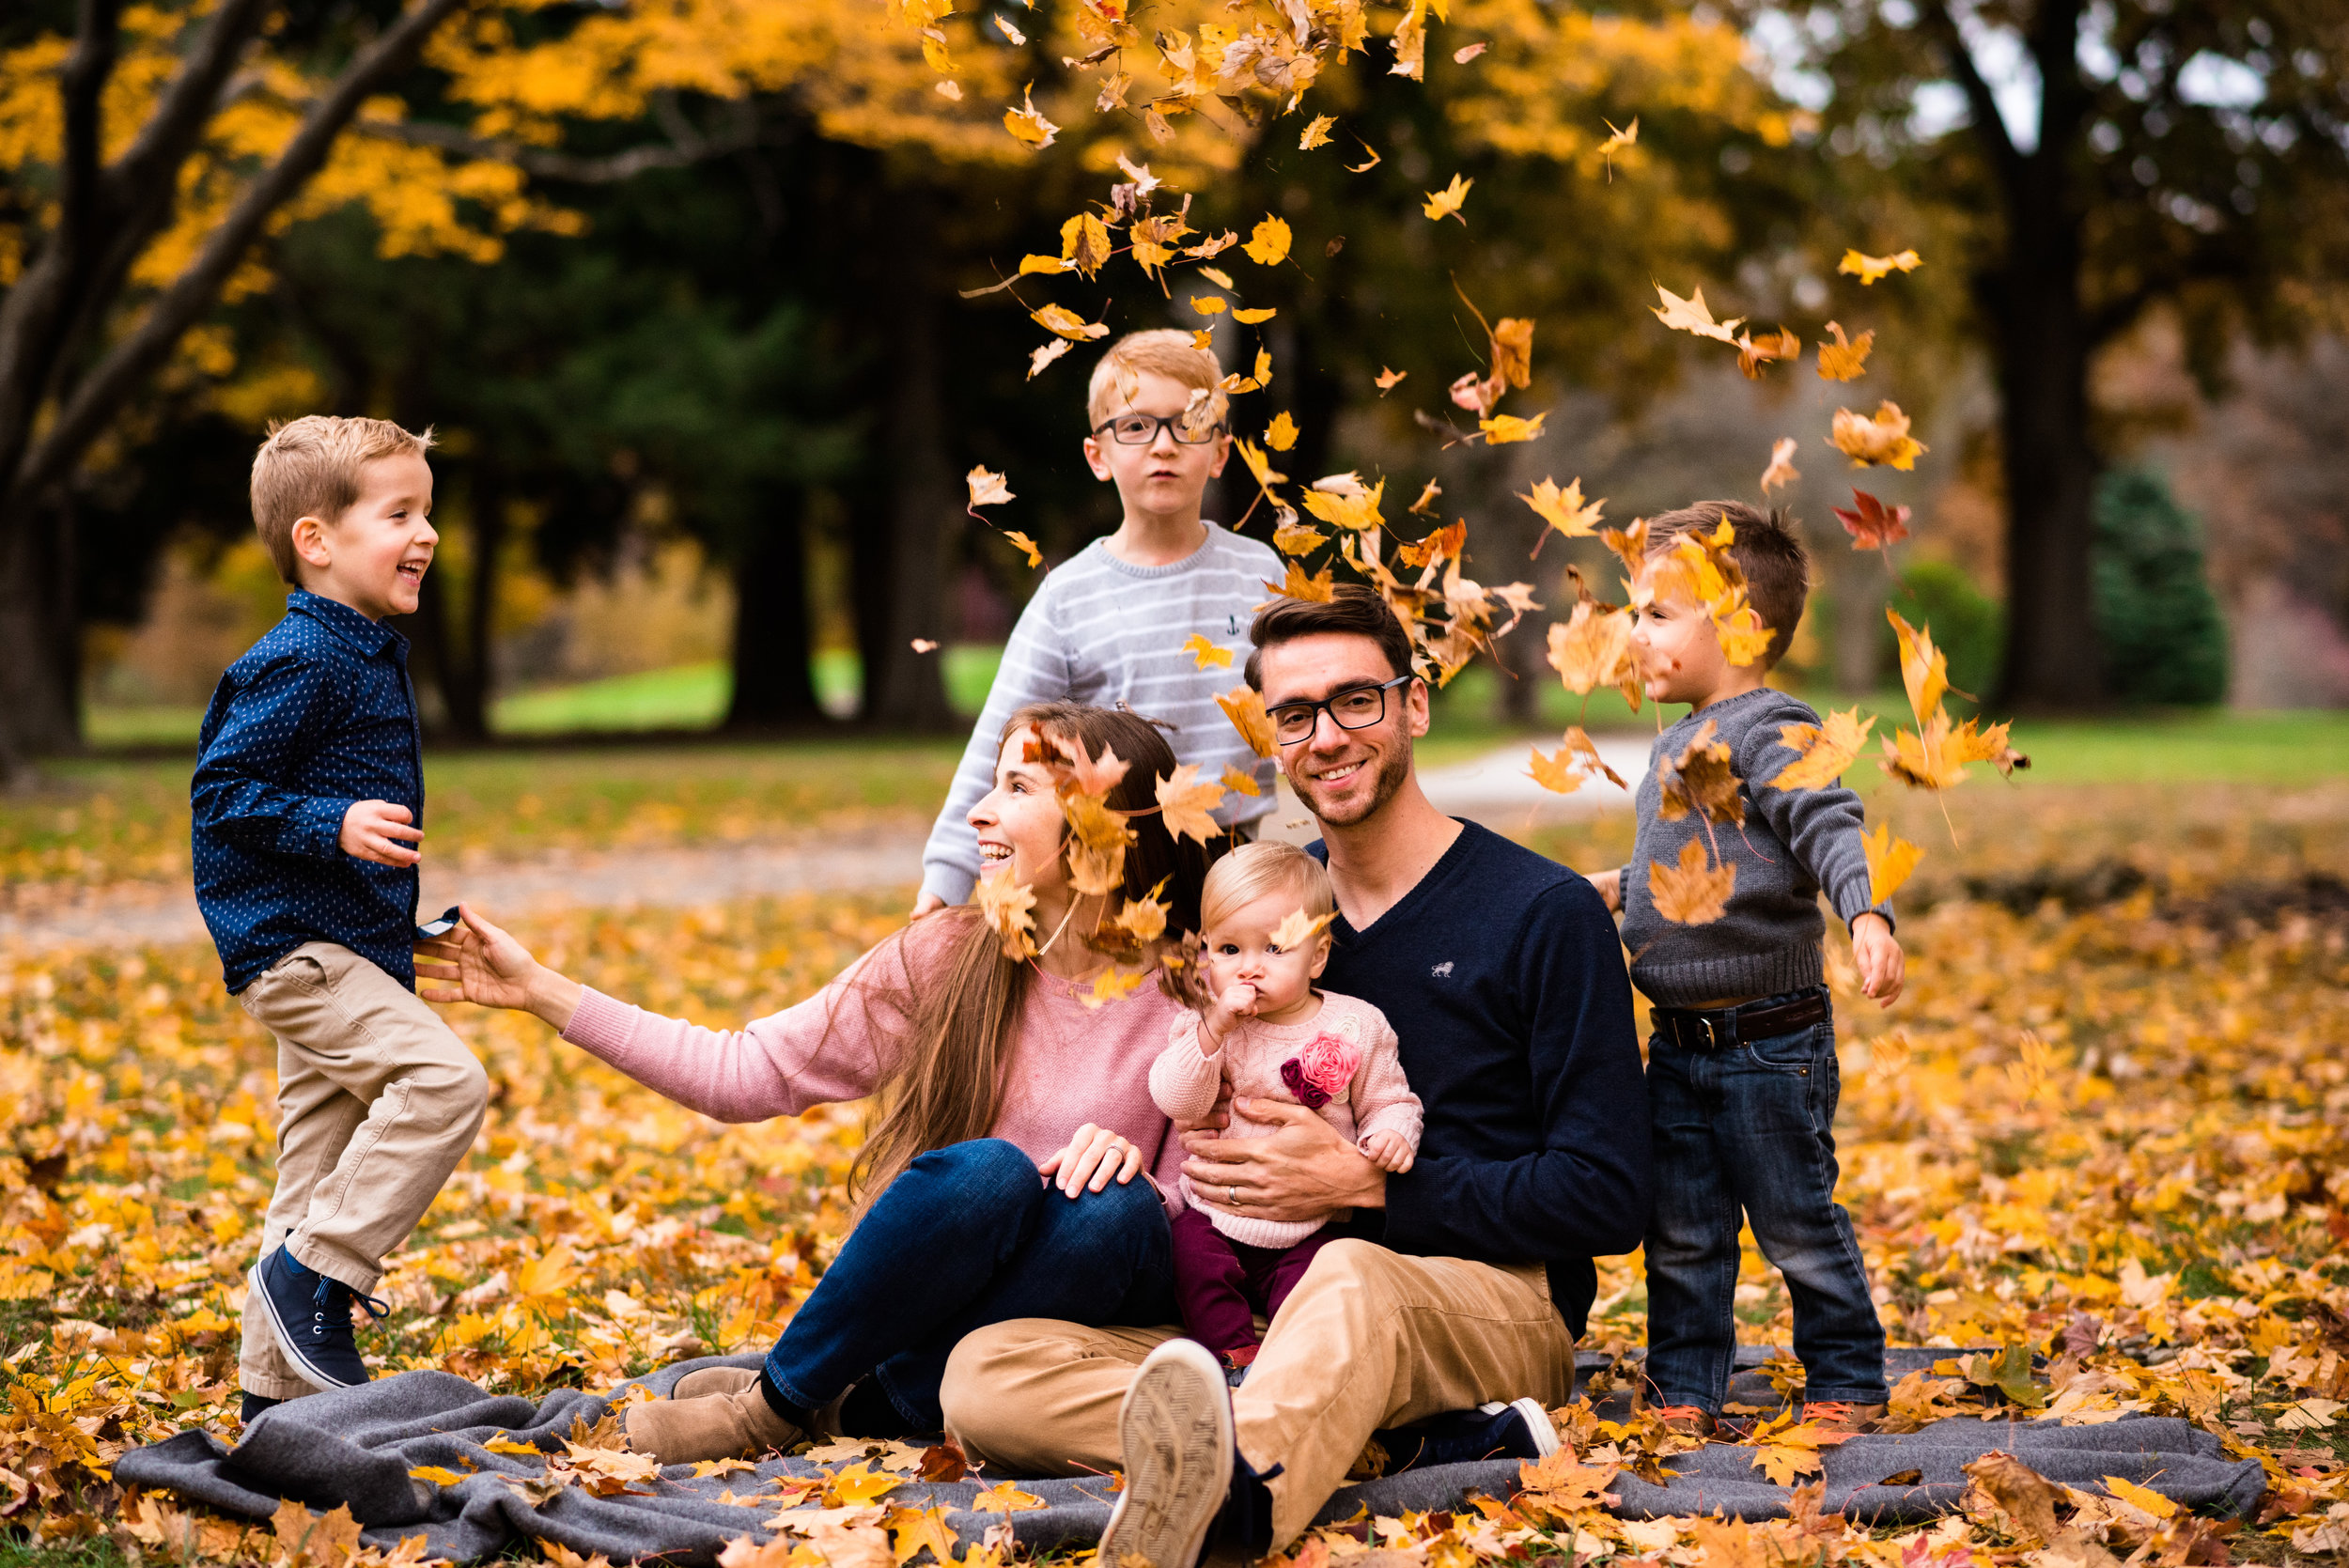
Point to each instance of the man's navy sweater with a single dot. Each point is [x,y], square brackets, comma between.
[1503,976]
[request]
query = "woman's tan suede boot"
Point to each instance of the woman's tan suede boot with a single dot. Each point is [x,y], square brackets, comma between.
[714,1380]
[714,1426]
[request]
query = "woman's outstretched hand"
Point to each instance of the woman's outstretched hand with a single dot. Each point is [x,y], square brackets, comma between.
[483,963]
[1094,1157]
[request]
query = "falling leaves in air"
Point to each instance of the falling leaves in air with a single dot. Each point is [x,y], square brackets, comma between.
[1692,892]
[1250,318]
[1870,524]
[1366,168]
[1206,655]
[1575,761]
[1296,539]
[1344,502]
[1296,928]
[923,645]
[1186,799]
[1446,203]
[1822,750]
[1317,133]
[1386,379]
[1700,780]
[1033,551]
[1039,358]
[1564,511]
[1007,904]
[1618,141]
[1317,588]
[1880,437]
[1890,860]
[1060,319]
[986,488]
[1238,781]
[1867,268]
[1755,353]
[1027,125]
[1846,358]
[1782,470]
[1468,52]
[1502,428]
[1692,315]
[1244,707]
[1269,243]
[1428,494]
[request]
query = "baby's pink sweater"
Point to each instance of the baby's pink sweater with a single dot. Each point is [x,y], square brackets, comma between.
[1069,1064]
[1185,1082]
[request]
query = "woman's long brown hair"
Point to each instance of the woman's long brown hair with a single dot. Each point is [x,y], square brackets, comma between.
[959,1024]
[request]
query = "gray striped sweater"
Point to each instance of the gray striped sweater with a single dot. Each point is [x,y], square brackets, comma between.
[1102,631]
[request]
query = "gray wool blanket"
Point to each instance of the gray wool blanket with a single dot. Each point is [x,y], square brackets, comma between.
[357,1446]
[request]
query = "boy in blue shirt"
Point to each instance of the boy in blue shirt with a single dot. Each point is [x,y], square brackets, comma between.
[308,800]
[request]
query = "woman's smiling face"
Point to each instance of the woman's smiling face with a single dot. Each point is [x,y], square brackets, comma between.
[1020,822]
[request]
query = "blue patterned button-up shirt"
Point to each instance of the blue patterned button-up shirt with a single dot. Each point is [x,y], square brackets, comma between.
[318,714]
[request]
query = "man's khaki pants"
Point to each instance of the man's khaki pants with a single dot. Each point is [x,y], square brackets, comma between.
[1368,1339]
[377,1102]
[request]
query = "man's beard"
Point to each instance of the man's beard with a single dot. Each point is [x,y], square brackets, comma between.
[1394,768]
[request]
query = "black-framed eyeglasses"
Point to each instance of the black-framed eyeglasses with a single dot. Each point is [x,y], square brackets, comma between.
[1357,708]
[1141,429]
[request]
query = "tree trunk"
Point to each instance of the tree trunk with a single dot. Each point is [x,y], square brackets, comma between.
[453,636]
[2053,659]
[905,690]
[41,711]
[1861,587]
[772,686]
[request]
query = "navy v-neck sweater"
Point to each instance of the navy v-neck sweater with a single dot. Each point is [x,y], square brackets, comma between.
[1503,978]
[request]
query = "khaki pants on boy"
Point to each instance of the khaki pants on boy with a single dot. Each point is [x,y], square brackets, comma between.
[1368,1339]
[377,1102]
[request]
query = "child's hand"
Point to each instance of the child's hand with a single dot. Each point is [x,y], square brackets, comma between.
[1389,1151]
[1878,955]
[1216,1019]
[1609,886]
[372,830]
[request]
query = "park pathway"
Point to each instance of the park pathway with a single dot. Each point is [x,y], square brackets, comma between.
[1493,789]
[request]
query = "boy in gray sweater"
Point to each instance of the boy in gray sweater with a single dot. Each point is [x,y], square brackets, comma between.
[1720,906]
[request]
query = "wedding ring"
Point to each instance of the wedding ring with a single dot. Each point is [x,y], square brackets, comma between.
[1231,1196]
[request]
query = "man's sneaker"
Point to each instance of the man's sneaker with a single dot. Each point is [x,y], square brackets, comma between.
[1841,1415]
[1686,1420]
[311,1314]
[1521,1429]
[1185,1485]
[254,1404]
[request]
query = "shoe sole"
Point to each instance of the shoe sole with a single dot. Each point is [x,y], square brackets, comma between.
[1176,1438]
[1537,1423]
[322,1381]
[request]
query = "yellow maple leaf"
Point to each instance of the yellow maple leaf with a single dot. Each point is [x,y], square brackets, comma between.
[1048,265]
[1317,133]
[1244,707]
[1005,902]
[1208,304]
[856,1486]
[1268,242]
[508,1445]
[436,1475]
[1782,470]
[1185,799]
[1204,654]
[1317,589]
[2142,1497]
[1039,358]
[1294,538]
[1822,752]
[1258,464]
[1554,772]
[1355,512]
[1240,781]
[1563,511]
[1034,551]
[1027,125]
[1754,352]
[1068,323]
[1867,268]
[1250,318]
[1084,244]
[1445,202]
[1692,315]
[1691,893]
[1387,378]
[1296,928]
[913,1528]
[1737,626]
[1110,985]
[1502,428]
[1879,438]
[1846,358]
[1004,1497]
[1925,669]
[1282,433]
[988,489]
[1890,860]
[1591,648]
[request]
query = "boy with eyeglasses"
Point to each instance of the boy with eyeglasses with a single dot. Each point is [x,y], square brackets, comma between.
[1109,625]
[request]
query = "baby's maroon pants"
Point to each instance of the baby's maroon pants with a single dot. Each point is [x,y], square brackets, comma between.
[1222,1284]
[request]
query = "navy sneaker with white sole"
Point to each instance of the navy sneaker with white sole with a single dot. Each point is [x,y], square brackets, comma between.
[1188,1496]
[1521,1429]
[311,1314]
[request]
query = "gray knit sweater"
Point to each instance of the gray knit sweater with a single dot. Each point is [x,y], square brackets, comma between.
[1794,843]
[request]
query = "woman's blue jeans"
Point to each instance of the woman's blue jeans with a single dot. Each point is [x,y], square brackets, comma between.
[969,1235]
[1749,1129]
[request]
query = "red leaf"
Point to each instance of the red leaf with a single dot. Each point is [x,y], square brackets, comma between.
[1875,525]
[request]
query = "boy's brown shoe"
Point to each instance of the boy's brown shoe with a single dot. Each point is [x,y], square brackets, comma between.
[713,1426]
[1837,1415]
[1686,1420]
[715,1380]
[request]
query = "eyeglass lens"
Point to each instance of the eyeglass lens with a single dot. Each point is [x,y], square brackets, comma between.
[1353,710]
[1141,429]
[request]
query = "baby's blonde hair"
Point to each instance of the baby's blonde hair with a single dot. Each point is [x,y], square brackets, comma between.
[311,468]
[1162,351]
[1252,870]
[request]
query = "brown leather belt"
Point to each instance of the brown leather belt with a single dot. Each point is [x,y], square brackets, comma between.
[1725,1027]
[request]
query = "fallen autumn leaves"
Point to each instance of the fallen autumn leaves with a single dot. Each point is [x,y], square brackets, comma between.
[2111,1136]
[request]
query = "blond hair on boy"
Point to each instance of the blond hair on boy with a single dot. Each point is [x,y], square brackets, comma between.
[311,468]
[1160,352]
[1250,871]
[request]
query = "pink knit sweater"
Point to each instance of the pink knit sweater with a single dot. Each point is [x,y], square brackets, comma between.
[1372,1098]
[1069,1064]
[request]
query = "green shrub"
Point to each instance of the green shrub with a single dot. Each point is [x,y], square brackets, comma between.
[2164,639]
[1969,626]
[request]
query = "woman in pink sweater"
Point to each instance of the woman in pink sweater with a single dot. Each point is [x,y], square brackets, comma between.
[1014,1111]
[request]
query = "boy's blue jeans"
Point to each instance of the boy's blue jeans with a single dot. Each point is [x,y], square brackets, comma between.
[1750,1128]
[969,1235]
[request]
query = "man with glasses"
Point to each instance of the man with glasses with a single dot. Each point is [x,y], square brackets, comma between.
[1463,1282]
[1108,627]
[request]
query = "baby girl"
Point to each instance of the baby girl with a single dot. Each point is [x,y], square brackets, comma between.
[1272,1035]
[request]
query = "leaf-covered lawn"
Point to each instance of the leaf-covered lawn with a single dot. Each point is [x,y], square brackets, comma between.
[2105,1128]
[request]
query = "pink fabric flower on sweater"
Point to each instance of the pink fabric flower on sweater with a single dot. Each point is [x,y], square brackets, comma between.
[1320,1072]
